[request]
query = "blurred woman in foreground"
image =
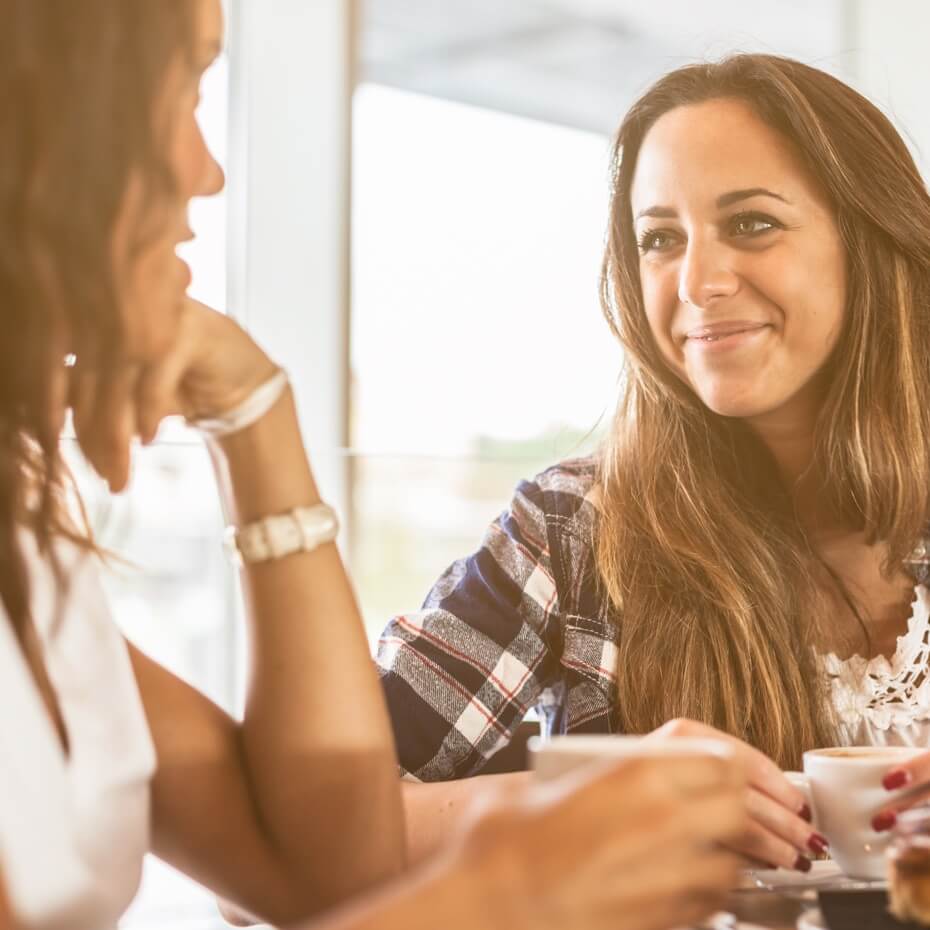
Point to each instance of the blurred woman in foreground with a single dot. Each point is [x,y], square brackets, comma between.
[107,755]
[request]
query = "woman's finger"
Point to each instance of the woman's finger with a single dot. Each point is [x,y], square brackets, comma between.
[907,774]
[761,772]
[783,832]
[912,780]
[158,394]
[760,845]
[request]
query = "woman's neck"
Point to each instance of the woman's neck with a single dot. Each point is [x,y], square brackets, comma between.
[788,434]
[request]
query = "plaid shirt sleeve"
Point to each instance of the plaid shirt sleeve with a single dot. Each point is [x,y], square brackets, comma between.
[460,674]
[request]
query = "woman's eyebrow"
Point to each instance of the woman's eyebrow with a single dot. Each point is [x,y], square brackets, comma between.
[658,212]
[725,200]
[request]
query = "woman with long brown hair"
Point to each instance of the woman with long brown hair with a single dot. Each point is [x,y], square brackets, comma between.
[747,552]
[105,754]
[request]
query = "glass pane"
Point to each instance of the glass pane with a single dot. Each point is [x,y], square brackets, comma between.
[477,240]
[170,586]
[479,352]
[415,515]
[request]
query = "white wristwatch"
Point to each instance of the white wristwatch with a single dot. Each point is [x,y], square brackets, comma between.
[298,530]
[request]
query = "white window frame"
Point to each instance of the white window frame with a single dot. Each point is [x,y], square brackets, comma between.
[289,187]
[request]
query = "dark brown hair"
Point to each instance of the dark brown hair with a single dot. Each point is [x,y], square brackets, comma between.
[699,547]
[78,88]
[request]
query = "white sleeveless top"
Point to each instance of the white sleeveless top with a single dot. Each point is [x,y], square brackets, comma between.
[73,829]
[882,702]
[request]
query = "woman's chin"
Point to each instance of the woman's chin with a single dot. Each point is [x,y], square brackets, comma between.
[732,405]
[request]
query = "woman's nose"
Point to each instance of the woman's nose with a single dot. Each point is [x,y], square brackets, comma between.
[705,275]
[213,178]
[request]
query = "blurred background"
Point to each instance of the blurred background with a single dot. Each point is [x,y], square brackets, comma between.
[412,225]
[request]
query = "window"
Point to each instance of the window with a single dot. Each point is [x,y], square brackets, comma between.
[479,352]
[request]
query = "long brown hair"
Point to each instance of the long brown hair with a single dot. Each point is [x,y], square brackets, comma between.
[698,545]
[78,86]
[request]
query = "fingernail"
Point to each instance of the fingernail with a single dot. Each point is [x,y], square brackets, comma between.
[883,821]
[805,813]
[817,844]
[897,779]
[801,864]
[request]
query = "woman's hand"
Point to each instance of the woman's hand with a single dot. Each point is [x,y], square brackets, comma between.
[211,366]
[635,843]
[914,775]
[779,832]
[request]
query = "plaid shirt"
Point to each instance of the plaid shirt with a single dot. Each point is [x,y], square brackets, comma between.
[518,623]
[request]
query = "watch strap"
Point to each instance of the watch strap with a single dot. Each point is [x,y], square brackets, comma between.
[299,530]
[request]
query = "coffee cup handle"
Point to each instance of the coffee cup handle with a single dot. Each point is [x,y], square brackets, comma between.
[801,781]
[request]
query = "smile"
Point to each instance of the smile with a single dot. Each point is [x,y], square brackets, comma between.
[726,336]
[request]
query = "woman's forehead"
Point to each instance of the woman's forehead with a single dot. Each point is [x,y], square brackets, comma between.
[705,150]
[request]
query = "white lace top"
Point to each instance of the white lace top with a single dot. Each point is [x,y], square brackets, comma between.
[886,702]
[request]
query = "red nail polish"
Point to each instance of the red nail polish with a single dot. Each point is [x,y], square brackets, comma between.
[883,821]
[817,844]
[897,779]
[802,865]
[805,813]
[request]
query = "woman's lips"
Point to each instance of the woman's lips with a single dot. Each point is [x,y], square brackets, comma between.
[725,335]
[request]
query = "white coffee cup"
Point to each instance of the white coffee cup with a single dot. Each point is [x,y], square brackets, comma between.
[553,757]
[844,788]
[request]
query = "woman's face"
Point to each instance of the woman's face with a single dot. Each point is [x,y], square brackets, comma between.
[742,266]
[153,279]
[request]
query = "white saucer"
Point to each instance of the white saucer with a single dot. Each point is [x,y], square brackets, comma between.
[804,886]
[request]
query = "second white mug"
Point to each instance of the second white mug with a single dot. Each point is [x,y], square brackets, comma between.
[844,787]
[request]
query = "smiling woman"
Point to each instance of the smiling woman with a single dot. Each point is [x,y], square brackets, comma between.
[753,528]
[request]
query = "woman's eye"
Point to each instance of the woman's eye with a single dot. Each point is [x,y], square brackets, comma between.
[751,224]
[654,240]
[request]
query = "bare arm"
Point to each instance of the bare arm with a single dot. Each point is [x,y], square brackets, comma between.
[633,846]
[307,783]
[435,812]
[297,808]
[435,816]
